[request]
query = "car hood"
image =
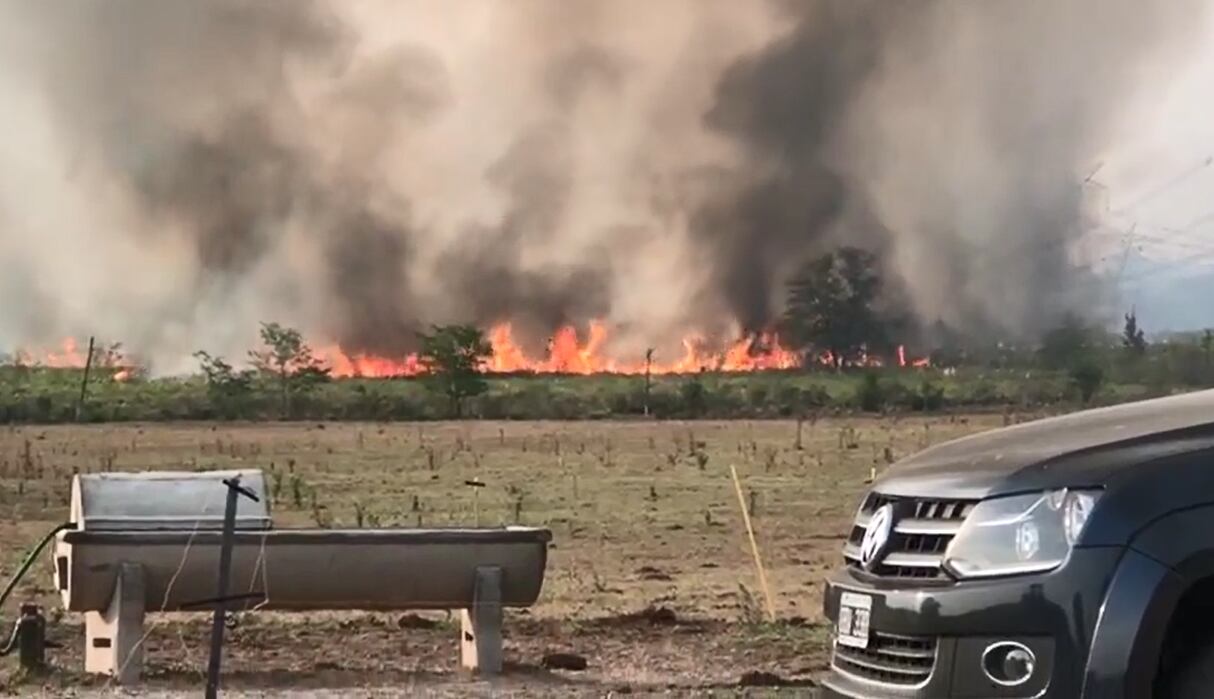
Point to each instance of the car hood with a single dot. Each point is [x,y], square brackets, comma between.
[1086,448]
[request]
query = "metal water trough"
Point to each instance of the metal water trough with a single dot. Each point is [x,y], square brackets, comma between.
[150,542]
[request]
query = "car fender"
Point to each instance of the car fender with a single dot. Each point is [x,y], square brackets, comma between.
[1175,541]
[1131,627]
[1163,560]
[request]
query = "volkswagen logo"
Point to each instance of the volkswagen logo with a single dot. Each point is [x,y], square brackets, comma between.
[872,547]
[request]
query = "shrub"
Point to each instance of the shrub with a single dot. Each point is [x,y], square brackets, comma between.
[871,394]
[1087,377]
[981,392]
[694,396]
[929,396]
[758,397]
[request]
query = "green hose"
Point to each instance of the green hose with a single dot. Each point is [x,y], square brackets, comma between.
[29,560]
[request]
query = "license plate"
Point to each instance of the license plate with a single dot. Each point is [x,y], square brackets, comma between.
[855,612]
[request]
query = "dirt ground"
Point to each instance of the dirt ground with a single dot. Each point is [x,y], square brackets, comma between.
[650,575]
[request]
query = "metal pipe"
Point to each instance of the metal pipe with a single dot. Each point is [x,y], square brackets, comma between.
[225,568]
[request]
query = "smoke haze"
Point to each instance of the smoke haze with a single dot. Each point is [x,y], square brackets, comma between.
[173,172]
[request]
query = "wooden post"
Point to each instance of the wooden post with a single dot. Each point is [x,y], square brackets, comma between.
[648,377]
[754,545]
[84,383]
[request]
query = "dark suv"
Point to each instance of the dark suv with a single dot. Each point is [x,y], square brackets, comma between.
[1068,557]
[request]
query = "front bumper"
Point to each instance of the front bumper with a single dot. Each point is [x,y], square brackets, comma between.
[1054,614]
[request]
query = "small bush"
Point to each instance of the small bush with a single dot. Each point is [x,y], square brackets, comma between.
[725,399]
[871,393]
[929,396]
[758,397]
[981,392]
[695,397]
[1087,377]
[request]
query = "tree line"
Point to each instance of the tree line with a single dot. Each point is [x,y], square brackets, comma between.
[837,314]
[452,356]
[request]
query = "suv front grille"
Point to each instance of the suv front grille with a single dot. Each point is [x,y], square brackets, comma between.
[889,659]
[923,530]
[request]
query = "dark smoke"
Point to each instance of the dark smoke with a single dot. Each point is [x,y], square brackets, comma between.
[1001,106]
[786,105]
[364,169]
[537,175]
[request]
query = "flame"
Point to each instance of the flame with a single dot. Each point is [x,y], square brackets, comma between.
[920,363]
[69,355]
[567,353]
[66,356]
[367,366]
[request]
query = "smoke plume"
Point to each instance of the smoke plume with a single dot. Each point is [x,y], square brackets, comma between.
[175,171]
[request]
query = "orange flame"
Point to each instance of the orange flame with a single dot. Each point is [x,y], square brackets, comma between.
[69,355]
[568,354]
[920,363]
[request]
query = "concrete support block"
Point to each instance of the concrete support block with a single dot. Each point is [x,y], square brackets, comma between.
[114,638]
[481,626]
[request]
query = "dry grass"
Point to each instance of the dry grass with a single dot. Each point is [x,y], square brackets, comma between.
[643,514]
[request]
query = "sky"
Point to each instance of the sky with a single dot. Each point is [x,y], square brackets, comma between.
[1155,189]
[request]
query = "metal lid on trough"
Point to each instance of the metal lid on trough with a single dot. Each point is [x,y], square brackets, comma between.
[165,500]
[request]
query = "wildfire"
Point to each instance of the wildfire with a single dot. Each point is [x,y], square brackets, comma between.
[70,355]
[345,365]
[66,356]
[569,354]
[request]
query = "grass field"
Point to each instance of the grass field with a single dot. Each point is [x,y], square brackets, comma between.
[644,517]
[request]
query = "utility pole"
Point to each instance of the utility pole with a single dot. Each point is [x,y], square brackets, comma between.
[648,377]
[84,383]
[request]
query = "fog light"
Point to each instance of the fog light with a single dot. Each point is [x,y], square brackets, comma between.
[1008,664]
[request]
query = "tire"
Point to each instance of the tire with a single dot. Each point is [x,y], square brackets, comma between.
[1193,677]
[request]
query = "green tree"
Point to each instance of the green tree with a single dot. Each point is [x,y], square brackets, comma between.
[1207,346]
[453,356]
[831,306]
[694,395]
[1133,339]
[1087,376]
[227,388]
[1067,344]
[289,362]
[871,394]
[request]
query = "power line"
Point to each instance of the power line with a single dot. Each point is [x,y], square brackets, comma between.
[1158,270]
[1175,181]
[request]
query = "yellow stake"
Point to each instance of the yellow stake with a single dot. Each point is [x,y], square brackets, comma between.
[754,545]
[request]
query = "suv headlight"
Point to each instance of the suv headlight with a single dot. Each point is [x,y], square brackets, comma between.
[1028,533]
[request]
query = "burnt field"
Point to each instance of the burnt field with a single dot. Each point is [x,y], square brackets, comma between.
[650,576]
